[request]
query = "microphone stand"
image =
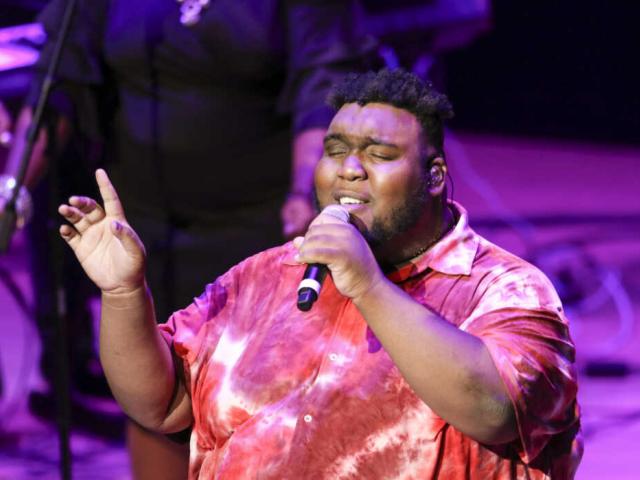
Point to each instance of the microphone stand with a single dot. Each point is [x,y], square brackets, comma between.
[7,226]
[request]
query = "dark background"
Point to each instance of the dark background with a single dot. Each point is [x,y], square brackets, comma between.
[546,68]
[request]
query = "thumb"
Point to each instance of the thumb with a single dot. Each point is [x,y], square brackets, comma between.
[128,238]
[297,242]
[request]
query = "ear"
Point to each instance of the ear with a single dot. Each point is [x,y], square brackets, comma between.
[436,176]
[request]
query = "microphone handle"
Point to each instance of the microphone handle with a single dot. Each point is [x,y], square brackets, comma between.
[309,287]
[315,273]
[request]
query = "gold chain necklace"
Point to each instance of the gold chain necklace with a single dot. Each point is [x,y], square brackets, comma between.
[451,224]
[421,250]
[190,11]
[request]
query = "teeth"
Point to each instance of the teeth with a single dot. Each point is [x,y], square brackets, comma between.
[350,201]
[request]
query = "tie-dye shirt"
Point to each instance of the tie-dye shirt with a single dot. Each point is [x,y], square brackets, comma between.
[282,394]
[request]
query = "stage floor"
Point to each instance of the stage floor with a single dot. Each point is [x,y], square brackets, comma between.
[572,208]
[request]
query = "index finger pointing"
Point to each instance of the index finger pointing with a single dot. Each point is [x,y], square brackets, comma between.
[112,205]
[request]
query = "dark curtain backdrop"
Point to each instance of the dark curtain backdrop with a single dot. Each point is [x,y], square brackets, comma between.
[561,69]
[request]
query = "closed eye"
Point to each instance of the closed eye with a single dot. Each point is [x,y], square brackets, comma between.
[381,153]
[336,152]
[335,148]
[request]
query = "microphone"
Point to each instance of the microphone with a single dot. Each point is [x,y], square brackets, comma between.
[315,273]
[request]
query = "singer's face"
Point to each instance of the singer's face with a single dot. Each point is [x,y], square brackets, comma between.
[371,165]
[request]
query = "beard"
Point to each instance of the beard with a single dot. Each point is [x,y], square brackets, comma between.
[400,219]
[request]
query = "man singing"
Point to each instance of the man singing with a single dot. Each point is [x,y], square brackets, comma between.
[430,353]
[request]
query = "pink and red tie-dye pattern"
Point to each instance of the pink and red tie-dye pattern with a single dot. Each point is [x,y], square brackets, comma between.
[282,394]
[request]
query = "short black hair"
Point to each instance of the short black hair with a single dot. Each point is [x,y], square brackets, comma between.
[400,89]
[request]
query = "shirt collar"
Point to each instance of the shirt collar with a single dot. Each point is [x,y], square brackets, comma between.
[452,255]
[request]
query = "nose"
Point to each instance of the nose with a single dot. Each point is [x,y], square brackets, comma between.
[351,169]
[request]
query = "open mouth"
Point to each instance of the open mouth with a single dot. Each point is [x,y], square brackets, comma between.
[350,201]
[350,198]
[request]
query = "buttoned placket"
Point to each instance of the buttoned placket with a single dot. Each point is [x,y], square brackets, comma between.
[332,361]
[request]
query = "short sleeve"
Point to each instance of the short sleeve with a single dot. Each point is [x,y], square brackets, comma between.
[194,332]
[81,68]
[521,322]
[184,331]
[325,40]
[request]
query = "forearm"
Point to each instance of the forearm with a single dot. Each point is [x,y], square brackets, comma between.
[307,150]
[39,160]
[298,210]
[138,363]
[449,369]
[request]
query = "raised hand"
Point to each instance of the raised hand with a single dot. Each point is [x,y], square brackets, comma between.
[108,249]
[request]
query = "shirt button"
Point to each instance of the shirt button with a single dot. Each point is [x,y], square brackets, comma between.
[333,357]
[307,418]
